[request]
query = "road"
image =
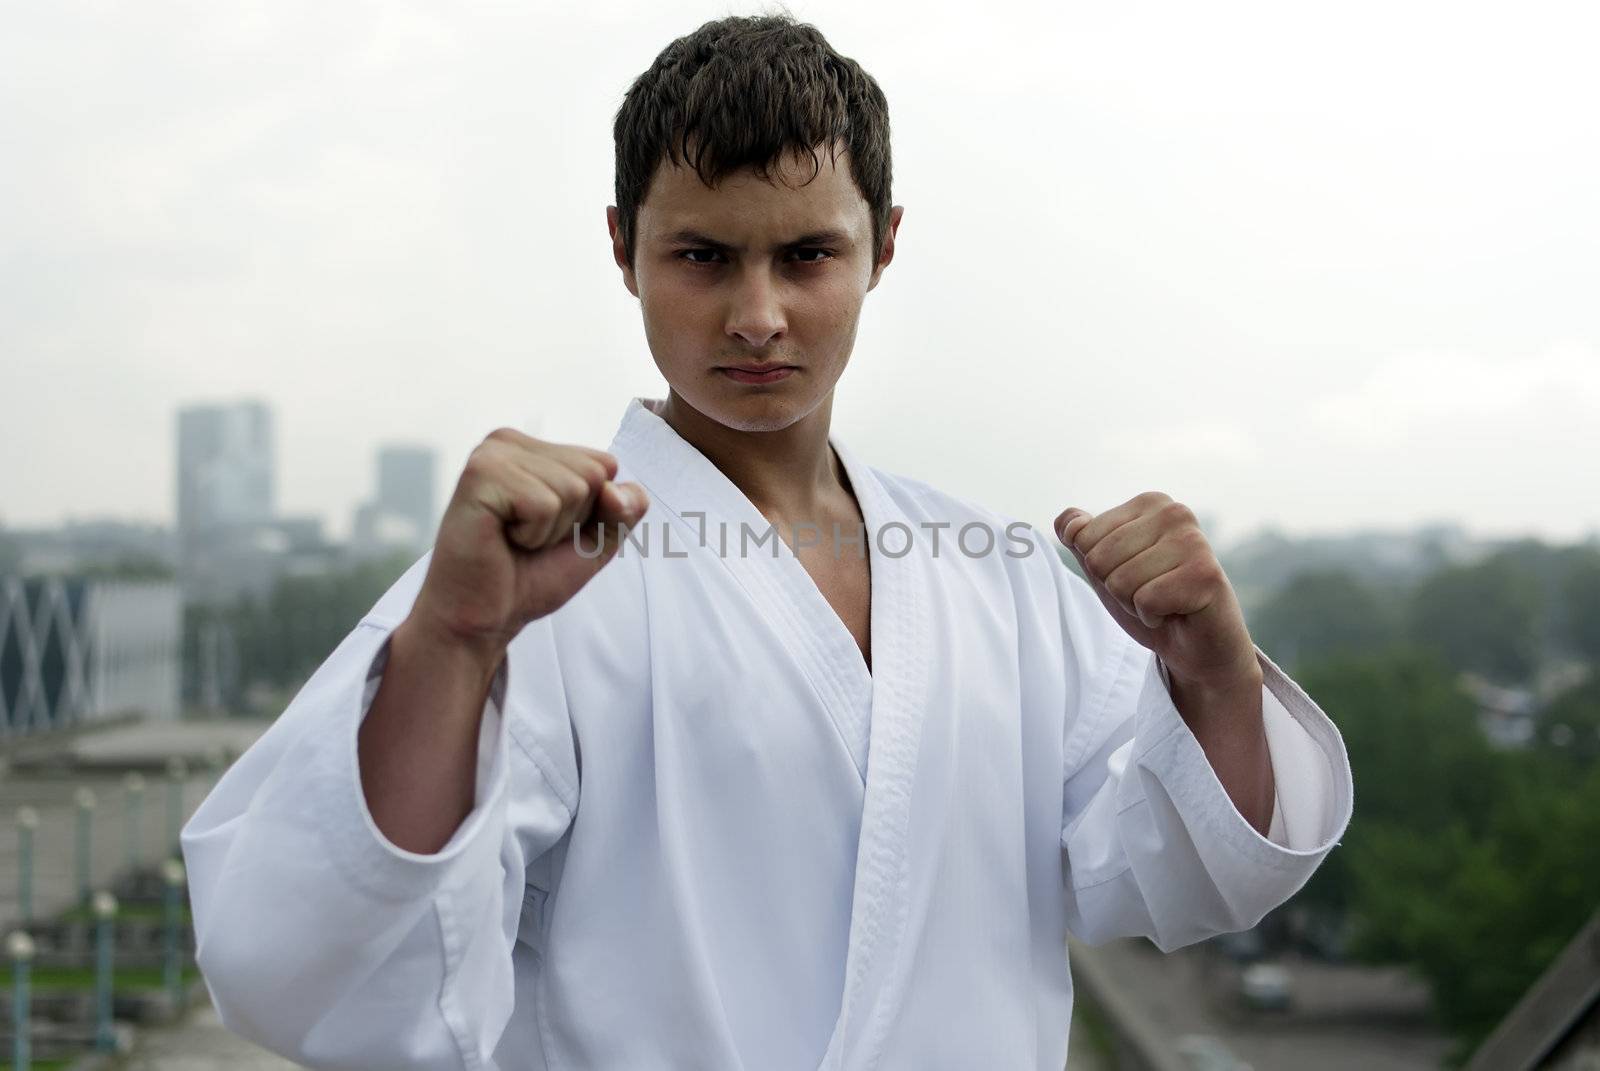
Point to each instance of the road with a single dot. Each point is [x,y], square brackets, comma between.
[1344,1017]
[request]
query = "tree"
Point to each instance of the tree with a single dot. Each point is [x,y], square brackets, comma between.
[284,637]
[1473,866]
[1323,613]
[1412,735]
[1480,913]
[1580,605]
[1485,618]
[1568,729]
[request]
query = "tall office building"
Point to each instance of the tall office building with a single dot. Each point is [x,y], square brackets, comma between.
[401,515]
[227,483]
[226,470]
[405,485]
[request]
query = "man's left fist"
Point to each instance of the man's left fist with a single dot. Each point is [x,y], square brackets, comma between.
[1157,576]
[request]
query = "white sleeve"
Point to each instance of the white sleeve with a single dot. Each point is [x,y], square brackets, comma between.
[1302,779]
[319,938]
[1153,845]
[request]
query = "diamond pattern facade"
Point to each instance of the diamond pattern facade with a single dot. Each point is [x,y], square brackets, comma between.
[74,650]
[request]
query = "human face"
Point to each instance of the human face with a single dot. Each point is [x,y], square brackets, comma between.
[757,273]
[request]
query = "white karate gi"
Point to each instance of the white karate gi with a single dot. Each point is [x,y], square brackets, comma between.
[705,836]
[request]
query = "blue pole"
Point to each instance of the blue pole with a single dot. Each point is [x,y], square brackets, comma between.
[86,801]
[133,788]
[27,822]
[20,946]
[105,910]
[173,874]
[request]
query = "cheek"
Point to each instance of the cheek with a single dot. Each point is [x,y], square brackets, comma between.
[832,309]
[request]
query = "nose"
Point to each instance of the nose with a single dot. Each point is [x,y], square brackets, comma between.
[755,314]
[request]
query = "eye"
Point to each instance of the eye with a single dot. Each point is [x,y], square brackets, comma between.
[806,255]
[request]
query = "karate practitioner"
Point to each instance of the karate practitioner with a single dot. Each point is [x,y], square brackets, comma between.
[814,765]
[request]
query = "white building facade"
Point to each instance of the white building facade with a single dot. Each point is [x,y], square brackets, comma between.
[75,650]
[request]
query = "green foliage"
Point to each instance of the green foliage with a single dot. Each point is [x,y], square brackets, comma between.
[1475,866]
[1485,618]
[1579,621]
[1412,735]
[1569,727]
[283,639]
[1419,759]
[277,642]
[1481,912]
[123,979]
[1323,613]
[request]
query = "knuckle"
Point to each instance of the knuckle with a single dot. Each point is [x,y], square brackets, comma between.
[1120,584]
[503,435]
[1175,513]
[1152,499]
[1202,573]
[1146,600]
[478,466]
[593,472]
[536,503]
[574,488]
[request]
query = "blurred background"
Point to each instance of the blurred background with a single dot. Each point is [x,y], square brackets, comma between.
[269,272]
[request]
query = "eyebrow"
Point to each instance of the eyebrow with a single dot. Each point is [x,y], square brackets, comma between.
[688,236]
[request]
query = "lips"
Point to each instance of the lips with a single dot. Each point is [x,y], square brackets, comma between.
[758,373]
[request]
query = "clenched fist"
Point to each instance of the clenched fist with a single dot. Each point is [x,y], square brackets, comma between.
[506,551]
[1158,577]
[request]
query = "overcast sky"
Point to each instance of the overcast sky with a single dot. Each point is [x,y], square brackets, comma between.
[1319,266]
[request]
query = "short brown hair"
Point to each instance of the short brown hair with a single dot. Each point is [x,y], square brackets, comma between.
[740,92]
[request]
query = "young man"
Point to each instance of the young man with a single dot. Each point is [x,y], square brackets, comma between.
[814,767]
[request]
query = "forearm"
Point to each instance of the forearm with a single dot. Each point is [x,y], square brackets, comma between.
[1227,723]
[418,745]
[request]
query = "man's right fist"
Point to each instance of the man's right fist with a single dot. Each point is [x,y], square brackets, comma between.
[505,553]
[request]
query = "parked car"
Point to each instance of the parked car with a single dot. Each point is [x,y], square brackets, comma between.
[1265,987]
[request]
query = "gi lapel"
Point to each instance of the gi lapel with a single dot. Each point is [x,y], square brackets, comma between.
[879,715]
[682,481]
[875,966]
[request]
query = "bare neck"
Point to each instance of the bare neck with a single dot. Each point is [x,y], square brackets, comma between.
[790,475]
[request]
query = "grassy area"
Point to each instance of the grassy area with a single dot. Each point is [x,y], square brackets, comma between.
[141,911]
[122,978]
[1095,1030]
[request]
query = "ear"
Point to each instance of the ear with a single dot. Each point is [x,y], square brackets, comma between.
[619,253]
[888,245]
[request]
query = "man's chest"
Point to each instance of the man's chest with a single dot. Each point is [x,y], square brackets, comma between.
[845,581]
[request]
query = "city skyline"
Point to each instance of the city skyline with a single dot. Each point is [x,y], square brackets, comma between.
[1352,301]
[340,524]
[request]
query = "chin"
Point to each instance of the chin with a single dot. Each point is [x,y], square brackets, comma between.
[754,410]
[758,414]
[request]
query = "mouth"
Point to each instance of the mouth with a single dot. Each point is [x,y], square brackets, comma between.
[758,373]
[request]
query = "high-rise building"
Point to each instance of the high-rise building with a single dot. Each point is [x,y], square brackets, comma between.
[226,466]
[227,483]
[405,485]
[401,515]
